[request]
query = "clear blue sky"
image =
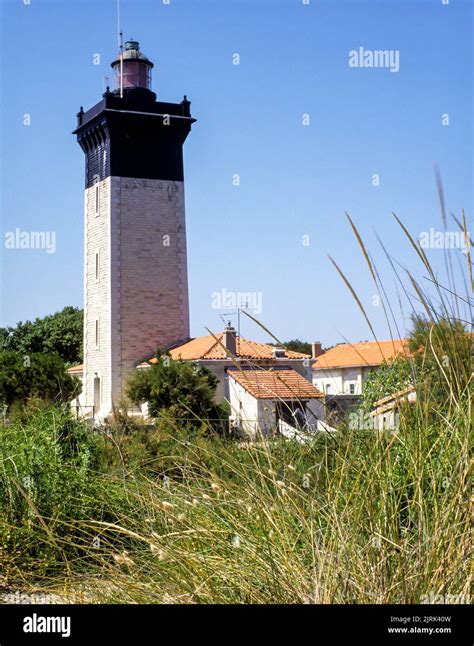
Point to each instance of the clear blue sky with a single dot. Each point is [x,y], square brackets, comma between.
[295,180]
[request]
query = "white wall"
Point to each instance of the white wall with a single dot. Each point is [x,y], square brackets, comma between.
[97,296]
[244,408]
[340,379]
[352,377]
[331,378]
[219,368]
[256,416]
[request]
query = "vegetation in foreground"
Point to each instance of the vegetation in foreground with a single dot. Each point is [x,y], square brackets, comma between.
[140,516]
[179,514]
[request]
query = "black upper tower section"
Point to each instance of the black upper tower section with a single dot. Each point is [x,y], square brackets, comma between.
[129,133]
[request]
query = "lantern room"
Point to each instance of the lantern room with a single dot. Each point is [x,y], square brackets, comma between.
[132,68]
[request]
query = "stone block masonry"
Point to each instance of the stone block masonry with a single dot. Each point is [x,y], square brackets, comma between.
[136,289]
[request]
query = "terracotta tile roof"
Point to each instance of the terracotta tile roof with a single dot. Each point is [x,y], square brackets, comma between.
[209,347]
[75,370]
[371,353]
[271,384]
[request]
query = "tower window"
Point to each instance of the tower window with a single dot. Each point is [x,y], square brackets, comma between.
[97,267]
[97,333]
[328,389]
[97,201]
[97,393]
[351,389]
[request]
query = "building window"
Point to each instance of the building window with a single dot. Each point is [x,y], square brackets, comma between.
[97,394]
[328,389]
[97,333]
[352,389]
[97,201]
[97,267]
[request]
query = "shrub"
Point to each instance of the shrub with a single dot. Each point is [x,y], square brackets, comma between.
[388,379]
[178,390]
[47,465]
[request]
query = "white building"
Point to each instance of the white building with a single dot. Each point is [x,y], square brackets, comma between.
[225,352]
[344,369]
[275,400]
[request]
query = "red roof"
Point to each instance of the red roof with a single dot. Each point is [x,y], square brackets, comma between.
[275,384]
[211,347]
[370,353]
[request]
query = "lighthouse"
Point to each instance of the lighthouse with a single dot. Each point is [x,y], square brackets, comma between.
[135,267]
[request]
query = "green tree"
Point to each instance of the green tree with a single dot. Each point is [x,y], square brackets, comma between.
[388,379]
[298,346]
[60,334]
[36,375]
[179,390]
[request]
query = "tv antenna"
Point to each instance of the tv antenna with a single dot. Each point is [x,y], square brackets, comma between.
[239,309]
[225,317]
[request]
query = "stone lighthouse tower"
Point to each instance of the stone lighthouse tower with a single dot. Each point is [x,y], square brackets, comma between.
[135,272]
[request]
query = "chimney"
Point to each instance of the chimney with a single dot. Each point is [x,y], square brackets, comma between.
[278,353]
[316,350]
[229,340]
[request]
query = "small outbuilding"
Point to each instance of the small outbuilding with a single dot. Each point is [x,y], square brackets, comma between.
[275,400]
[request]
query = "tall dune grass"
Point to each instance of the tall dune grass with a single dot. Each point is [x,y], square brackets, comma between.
[360,517]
